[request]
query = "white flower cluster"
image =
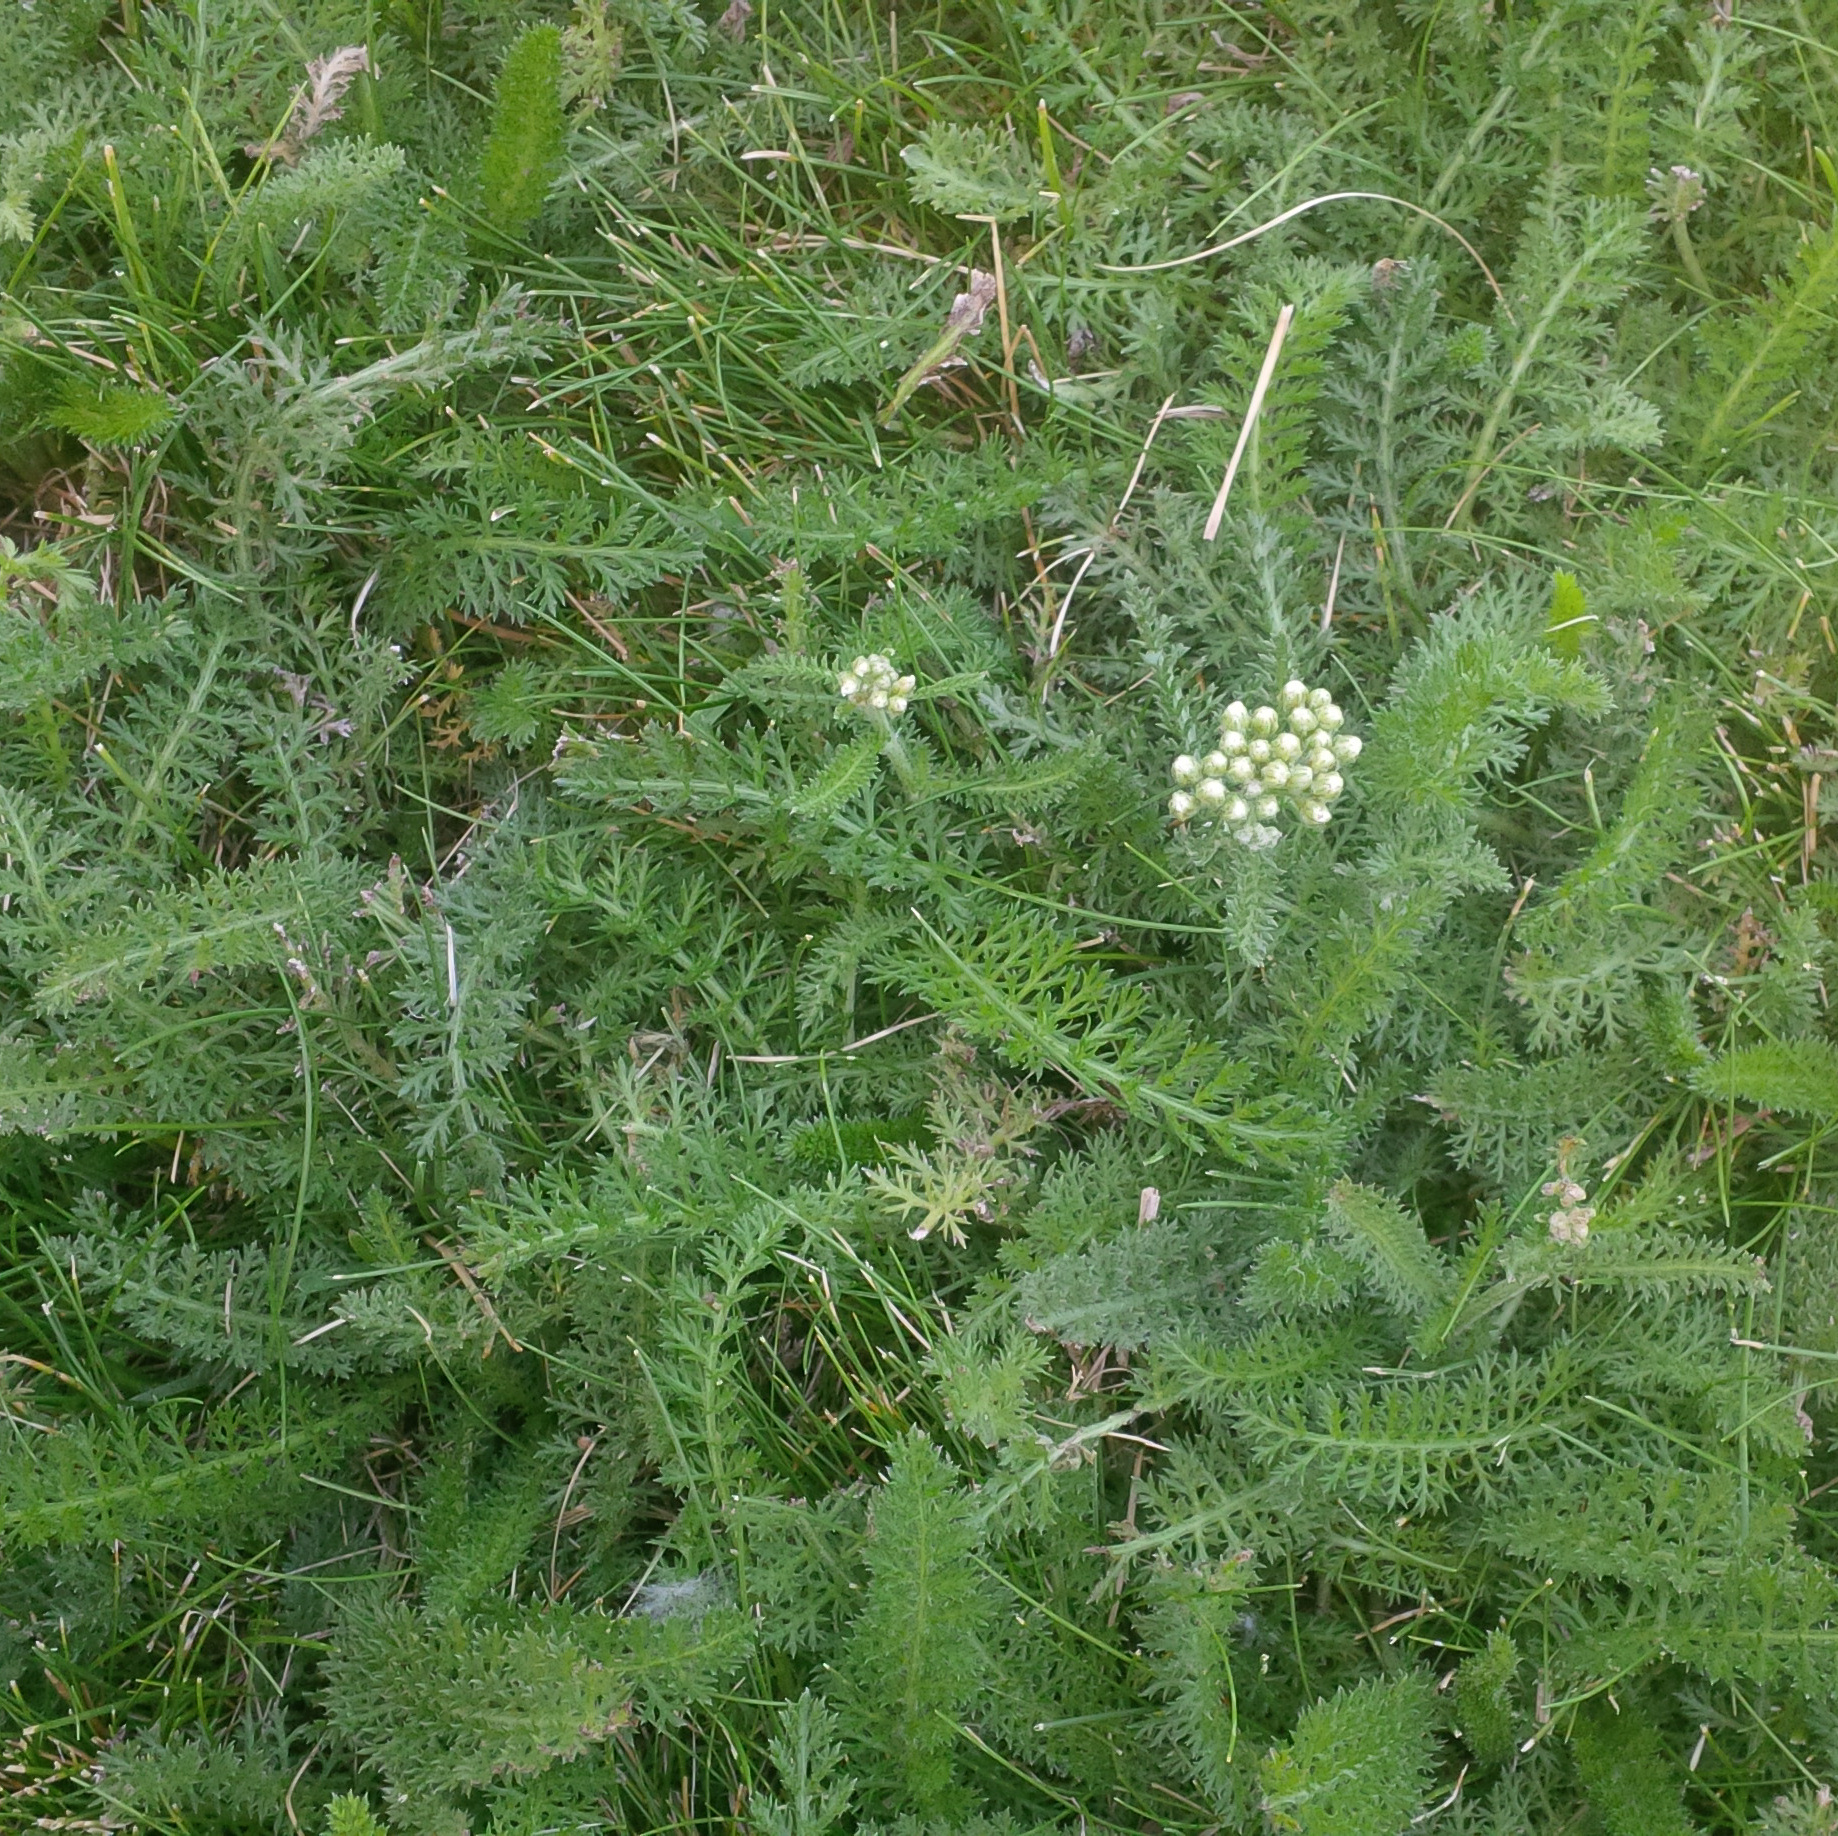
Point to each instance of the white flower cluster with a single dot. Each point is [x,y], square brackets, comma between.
[1570,1222]
[1264,760]
[875,686]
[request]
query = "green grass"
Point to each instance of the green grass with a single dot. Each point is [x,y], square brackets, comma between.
[597,1239]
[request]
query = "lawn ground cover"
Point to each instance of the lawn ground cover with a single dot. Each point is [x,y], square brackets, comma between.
[917,919]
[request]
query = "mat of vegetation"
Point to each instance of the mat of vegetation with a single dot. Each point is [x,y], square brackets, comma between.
[918,919]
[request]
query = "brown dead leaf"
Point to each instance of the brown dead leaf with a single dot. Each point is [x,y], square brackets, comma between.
[315,105]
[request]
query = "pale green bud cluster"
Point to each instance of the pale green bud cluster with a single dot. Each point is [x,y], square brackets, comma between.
[875,686]
[1267,759]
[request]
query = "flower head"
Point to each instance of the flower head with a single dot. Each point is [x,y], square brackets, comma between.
[1570,1222]
[1265,759]
[1676,193]
[875,686]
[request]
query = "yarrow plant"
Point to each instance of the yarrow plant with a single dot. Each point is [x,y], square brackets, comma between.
[875,686]
[1264,760]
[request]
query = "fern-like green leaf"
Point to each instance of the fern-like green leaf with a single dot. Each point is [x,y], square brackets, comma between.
[1800,1078]
[523,151]
[1388,1241]
[1357,1765]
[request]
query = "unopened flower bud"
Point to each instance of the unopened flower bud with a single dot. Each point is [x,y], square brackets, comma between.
[1321,759]
[1264,721]
[1315,811]
[1259,750]
[1276,774]
[1294,693]
[1231,740]
[1237,810]
[1302,720]
[1186,769]
[1235,715]
[1211,791]
[1286,746]
[1675,193]
[1329,785]
[1180,806]
[1266,807]
[1217,764]
[1347,747]
[872,684]
[1300,777]
[1242,769]
[1330,718]
[1319,699]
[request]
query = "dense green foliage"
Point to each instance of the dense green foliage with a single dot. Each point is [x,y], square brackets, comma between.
[599,1237]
